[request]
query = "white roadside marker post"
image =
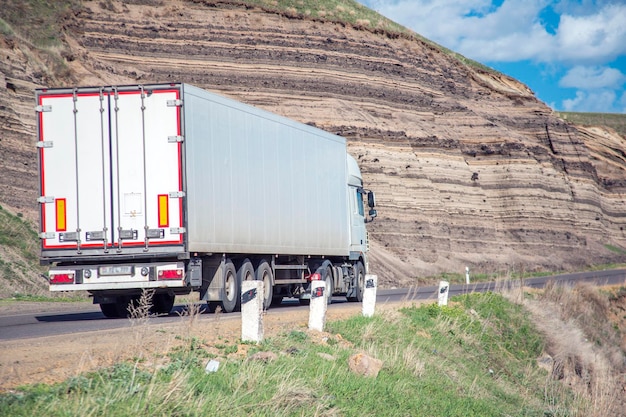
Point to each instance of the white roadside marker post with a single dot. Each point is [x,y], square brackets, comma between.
[252,311]
[317,306]
[467,281]
[369,295]
[444,287]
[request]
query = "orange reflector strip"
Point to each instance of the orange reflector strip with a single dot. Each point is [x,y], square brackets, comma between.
[164,210]
[61,215]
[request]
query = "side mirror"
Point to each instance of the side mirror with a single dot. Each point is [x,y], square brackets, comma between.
[371,200]
[373,213]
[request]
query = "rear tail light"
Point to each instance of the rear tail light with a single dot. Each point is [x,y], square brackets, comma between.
[170,274]
[65,278]
[314,277]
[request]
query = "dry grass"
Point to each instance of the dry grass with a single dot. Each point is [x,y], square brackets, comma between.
[582,350]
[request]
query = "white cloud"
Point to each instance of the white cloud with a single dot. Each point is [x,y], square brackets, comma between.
[474,27]
[588,78]
[590,31]
[571,104]
[546,36]
[597,37]
[599,101]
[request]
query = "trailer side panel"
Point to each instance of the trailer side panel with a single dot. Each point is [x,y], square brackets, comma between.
[260,183]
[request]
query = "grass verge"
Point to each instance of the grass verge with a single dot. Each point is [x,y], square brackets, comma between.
[475,357]
[615,121]
[19,257]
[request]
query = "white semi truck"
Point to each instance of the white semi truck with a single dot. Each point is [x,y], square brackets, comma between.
[174,189]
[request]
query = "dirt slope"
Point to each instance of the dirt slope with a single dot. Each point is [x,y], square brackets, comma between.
[469,168]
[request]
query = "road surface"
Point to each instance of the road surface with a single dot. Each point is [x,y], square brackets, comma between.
[84,317]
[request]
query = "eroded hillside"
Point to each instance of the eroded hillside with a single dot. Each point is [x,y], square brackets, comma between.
[469,168]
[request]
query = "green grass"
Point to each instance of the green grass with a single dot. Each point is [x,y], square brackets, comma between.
[344,11]
[19,256]
[615,121]
[39,21]
[476,357]
[615,249]
[18,234]
[19,297]
[459,278]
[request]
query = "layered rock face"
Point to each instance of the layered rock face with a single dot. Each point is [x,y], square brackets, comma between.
[468,167]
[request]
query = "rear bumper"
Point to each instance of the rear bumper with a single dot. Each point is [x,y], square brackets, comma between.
[116,286]
[123,276]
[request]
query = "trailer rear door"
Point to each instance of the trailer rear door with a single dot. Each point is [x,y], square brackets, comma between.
[110,166]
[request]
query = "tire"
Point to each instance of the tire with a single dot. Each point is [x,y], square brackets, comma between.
[162,303]
[359,283]
[327,276]
[264,273]
[119,309]
[212,306]
[128,304]
[110,310]
[245,271]
[231,291]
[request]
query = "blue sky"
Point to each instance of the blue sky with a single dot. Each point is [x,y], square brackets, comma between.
[571,53]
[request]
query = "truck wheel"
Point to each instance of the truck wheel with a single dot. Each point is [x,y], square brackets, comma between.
[327,276]
[245,271]
[162,303]
[119,309]
[330,288]
[359,283]
[264,273]
[231,293]
[110,310]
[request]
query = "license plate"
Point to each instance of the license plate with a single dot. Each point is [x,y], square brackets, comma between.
[116,270]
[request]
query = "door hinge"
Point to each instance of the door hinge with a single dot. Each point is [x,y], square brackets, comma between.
[177,230]
[45,199]
[174,139]
[176,194]
[47,235]
[45,144]
[155,233]
[174,103]
[42,109]
[69,237]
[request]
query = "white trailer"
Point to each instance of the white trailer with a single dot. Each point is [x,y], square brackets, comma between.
[174,189]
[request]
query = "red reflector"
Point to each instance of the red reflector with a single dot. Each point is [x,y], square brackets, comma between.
[170,274]
[62,279]
[315,277]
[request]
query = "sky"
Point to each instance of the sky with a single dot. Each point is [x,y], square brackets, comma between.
[571,53]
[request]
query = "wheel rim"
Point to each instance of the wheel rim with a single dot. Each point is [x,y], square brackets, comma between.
[266,285]
[329,286]
[249,275]
[361,279]
[230,286]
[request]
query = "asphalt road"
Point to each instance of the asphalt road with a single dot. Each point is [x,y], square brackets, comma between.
[85,318]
